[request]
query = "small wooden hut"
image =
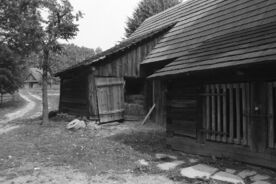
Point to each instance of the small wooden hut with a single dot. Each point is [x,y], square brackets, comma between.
[33,79]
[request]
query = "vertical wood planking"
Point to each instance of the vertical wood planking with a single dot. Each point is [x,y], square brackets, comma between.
[218,112]
[213,91]
[231,113]
[208,127]
[248,105]
[244,111]
[270,113]
[224,114]
[238,114]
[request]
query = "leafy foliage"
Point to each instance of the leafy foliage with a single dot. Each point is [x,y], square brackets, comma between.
[69,55]
[19,25]
[10,71]
[146,9]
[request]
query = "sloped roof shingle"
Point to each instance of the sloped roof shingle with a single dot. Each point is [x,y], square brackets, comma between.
[213,33]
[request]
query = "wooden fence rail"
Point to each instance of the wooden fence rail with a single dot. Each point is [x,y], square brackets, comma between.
[226,109]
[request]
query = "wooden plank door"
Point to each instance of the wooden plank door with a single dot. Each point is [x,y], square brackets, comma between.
[110,94]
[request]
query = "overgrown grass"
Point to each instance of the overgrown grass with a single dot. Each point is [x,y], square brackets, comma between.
[11,105]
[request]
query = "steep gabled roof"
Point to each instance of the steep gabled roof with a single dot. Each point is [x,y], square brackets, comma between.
[35,73]
[213,33]
[125,44]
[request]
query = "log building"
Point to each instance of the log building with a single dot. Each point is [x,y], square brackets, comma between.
[211,69]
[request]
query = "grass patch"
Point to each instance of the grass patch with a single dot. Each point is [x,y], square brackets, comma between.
[11,105]
[52,145]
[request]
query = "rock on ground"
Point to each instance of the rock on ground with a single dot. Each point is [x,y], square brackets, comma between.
[76,124]
[246,173]
[259,177]
[227,177]
[161,156]
[169,165]
[198,171]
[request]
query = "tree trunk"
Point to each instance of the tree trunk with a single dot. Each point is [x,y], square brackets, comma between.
[1,102]
[45,118]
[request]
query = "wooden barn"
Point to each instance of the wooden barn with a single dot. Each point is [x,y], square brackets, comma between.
[208,67]
[111,85]
[218,90]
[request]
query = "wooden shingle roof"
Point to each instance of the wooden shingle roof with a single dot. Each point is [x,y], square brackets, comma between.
[125,44]
[214,33]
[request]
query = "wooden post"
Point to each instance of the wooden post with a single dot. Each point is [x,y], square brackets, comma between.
[258,129]
[201,111]
[60,95]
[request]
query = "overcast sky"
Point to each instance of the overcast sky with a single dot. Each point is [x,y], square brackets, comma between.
[103,23]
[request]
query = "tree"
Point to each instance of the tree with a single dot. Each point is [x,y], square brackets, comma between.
[98,50]
[146,9]
[10,71]
[69,55]
[18,36]
[58,24]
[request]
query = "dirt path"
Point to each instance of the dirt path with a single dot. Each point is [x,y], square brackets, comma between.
[31,110]
[4,124]
[22,111]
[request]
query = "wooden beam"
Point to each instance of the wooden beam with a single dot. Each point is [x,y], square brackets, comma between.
[218,112]
[208,126]
[148,114]
[270,119]
[224,114]
[231,113]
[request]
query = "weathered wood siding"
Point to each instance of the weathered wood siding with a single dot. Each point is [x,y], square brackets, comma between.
[110,94]
[127,64]
[74,98]
[237,120]
[182,109]
[92,97]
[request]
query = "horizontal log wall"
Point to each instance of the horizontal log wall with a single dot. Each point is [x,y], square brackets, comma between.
[182,110]
[74,98]
[128,63]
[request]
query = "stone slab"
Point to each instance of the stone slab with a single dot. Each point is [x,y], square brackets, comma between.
[259,177]
[261,182]
[161,156]
[198,171]
[227,177]
[193,160]
[169,165]
[231,171]
[246,173]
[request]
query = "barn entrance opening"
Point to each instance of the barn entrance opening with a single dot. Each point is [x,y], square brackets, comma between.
[134,98]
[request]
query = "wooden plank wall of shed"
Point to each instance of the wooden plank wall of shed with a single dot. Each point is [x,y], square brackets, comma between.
[73,97]
[257,151]
[128,63]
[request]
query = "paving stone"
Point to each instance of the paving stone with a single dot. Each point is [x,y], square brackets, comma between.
[227,177]
[161,156]
[259,177]
[261,182]
[193,160]
[169,165]
[231,171]
[143,162]
[198,171]
[246,173]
